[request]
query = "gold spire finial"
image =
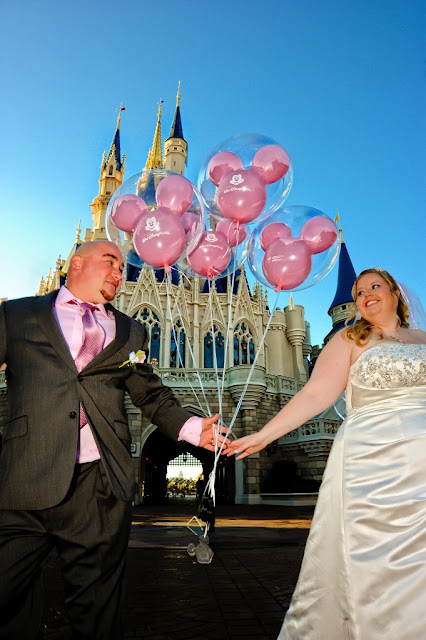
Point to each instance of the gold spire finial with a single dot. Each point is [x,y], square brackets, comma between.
[77,232]
[291,301]
[155,155]
[337,220]
[178,95]
[119,114]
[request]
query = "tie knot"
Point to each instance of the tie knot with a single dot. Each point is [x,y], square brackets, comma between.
[84,306]
[87,306]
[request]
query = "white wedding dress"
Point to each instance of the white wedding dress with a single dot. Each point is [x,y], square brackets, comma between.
[363,575]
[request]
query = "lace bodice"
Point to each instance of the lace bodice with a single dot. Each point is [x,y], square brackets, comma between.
[390,365]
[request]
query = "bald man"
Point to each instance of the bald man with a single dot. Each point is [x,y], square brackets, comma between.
[66,473]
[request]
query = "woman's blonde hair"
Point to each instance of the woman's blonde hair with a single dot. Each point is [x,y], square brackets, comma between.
[361,329]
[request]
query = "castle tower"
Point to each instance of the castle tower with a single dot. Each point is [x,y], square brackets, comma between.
[340,308]
[176,147]
[111,177]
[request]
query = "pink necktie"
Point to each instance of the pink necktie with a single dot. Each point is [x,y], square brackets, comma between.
[93,341]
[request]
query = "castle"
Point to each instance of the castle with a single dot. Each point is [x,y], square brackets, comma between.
[183,324]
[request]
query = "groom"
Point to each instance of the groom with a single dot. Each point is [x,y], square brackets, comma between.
[66,473]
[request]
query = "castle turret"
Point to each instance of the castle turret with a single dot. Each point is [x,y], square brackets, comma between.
[111,177]
[176,147]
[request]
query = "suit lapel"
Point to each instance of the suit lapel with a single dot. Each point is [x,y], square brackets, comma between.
[50,327]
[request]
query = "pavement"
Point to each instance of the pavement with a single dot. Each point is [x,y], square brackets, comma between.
[242,594]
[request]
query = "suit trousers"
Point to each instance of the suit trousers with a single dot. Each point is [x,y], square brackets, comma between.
[90,530]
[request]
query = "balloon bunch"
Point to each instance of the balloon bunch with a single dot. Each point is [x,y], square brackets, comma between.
[162,217]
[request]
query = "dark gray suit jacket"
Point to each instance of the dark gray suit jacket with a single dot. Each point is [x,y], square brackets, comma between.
[44,393]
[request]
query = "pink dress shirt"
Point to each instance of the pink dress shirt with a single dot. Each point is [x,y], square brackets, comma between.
[70,323]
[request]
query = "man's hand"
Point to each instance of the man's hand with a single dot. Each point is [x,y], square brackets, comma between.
[212,433]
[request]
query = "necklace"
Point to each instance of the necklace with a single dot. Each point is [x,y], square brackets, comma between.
[395,338]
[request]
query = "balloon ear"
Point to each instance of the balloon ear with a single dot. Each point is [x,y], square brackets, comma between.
[271,163]
[175,193]
[221,164]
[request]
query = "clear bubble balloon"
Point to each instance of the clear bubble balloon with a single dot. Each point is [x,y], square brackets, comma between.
[238,252]
[263,155]
[301,259]
[182,198]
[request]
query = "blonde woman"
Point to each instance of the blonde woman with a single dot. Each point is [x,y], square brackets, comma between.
[363,575]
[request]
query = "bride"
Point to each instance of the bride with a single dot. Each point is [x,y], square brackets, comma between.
[363,575]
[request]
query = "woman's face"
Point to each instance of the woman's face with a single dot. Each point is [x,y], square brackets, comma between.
[374,297]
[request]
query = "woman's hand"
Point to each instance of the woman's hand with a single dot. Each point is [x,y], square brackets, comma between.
[248,444]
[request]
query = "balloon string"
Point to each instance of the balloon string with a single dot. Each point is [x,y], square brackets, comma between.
[228,327]
[212,477]
[250,373]
[169,311]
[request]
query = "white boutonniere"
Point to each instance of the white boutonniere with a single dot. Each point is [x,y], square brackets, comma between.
[135,358]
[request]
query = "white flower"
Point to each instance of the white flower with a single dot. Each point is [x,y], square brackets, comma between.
[135,358]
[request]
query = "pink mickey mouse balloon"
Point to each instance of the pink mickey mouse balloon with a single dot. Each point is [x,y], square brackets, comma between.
[234,232]
[287,263]
[126,211]
[221,164]
[273,232]
[271,162]
[211,256]
[159,238]
[319,233]
[241,195]
[176,193]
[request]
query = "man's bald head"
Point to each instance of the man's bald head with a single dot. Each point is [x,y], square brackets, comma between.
[95,272]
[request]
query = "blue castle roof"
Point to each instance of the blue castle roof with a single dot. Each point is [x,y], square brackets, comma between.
[346,278]
[176,130]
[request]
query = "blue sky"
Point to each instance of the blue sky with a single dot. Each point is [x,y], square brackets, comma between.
[341,85]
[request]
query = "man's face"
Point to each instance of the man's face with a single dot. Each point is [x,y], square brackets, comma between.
[99,273]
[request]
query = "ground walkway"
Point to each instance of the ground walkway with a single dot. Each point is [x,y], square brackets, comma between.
[242,594]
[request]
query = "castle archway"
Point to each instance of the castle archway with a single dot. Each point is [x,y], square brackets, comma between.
[157,451]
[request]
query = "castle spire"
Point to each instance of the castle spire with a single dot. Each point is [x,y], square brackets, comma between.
[155,155]
[115,149]
[111,177]
[176,130]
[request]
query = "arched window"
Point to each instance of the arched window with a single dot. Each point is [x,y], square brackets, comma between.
[177,360]
[243,345]
[208,349]
[152,323]
[111,169]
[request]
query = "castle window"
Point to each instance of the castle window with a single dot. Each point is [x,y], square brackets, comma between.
[177,341]
[111,169]
[209,362]
[243,345]
[152,324]
[343,306]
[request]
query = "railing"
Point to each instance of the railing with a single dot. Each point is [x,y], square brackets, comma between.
[283,383]
[208,377]
[320,428]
